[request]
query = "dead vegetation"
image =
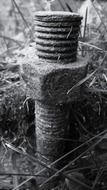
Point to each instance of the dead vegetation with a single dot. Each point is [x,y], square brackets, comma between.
[86,157]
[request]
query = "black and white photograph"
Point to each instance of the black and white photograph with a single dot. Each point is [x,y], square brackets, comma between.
[53,94]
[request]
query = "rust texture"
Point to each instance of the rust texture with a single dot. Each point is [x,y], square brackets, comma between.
[57,36]
[50,83]
[49,76]
[50,126]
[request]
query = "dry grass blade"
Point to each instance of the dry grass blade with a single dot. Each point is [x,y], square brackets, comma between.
[21,184]
[64,156]
[85,26]
[100,67]
[13,148]
[69,8]
[66,166]
[95,90]
[99,174]
[102,62]
[11,39]
[82,81]
[21,14]
[105,77]
[92,82]
[84,32]
[79,169]
[17,174]
[9,51]
[99,17]
[62,139]
[62,5]
[72,151]
[79,182]
[81,125]
[28,155]
[91,45]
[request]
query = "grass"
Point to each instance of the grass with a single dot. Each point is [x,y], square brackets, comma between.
[85,162]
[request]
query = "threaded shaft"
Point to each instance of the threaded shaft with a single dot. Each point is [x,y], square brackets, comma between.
[57,36]
[50,128]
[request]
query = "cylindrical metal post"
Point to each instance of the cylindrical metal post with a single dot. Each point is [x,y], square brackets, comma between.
[51,126]
[57,36]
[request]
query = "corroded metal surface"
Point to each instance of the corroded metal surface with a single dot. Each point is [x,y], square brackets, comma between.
[49,79]
[50,83]
[50,126]
[62,29]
